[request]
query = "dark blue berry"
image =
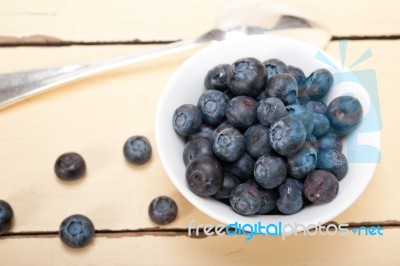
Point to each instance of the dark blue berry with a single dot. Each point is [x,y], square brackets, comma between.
[241,112]
[257,140]
[246,76]
[315,106]
[137,150]
[274,67]
[268,200]
[206,131]
[299,76]
[216,78]
[312,140]
[6,216]
[163,210]
[212,105]
[344,114]
[318,83]
[229,144]
[242,168]
[287,135]
[230,182]
[301,113]
[187,120]
[245,199]
[334,162]
[76,231]
[321,125]
[270,171]
[70,166]
[263,95]
[303,162]
[219,128]
[270,110]
[204,176]
[330,141]
[196,148]
[284,87]
[321,186]
[290,198]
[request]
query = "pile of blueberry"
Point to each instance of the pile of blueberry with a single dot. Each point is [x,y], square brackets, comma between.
[262,140]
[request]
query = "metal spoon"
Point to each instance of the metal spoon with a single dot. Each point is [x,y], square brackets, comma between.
[236,18]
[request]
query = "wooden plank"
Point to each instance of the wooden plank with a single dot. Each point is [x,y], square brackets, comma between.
[95,117]
[171,20]
[227,250]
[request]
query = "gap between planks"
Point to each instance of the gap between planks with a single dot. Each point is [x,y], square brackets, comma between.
[43,40]
[156,231]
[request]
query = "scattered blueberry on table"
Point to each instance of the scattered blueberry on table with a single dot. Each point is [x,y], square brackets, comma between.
[263,140]
[76,231]
[6,216]
[137,150]
[70,166]
[163,210]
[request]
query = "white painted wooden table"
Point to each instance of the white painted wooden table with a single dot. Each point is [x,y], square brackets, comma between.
[95,116]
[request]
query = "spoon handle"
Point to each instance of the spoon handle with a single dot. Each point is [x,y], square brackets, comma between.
[21,85]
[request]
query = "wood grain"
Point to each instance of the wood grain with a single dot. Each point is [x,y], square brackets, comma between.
[170,20]
[94,117]
[227,250]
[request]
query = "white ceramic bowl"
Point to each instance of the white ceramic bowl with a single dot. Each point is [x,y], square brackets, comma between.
[186,85]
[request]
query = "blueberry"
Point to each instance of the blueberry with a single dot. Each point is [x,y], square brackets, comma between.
[321,186]
[299,76]
[163,210]
[196,148]
[6,216]
[229,144]
[274,67]
[76,231]
[268,200]
[245,199]
[312,140]
[206,131]
[290,198]
[230,182]
[321,125]
[270,110]
[301,113]
[287,135]
[334,162]
[303,162]
[263,95]
[69,166]
[242,168]
[330,141]
[204,176]
[212,105]
[270,171]
[344,114]
[216,78]
[318,83]
[315,106]
[282,86]
[241,112]
[220,128]
[257,141]
[187,119]
[246,76]
[137,150]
